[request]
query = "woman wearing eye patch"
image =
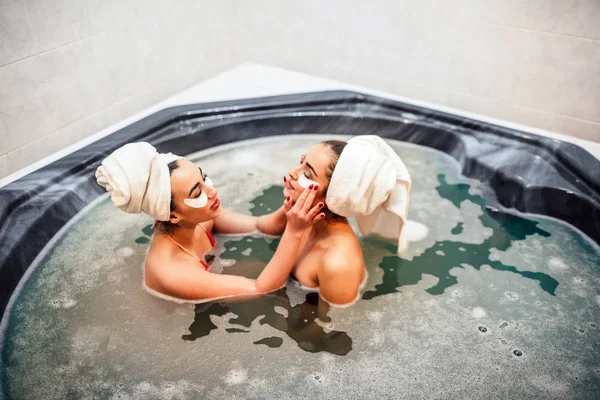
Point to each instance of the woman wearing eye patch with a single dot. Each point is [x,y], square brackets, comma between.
[330,257]
[186,207]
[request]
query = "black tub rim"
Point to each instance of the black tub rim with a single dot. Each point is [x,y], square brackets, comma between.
[569,155]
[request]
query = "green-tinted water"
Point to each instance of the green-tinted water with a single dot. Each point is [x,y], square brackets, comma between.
[486,305]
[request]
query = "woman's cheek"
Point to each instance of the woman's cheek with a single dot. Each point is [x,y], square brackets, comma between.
[305,182]
[199,202]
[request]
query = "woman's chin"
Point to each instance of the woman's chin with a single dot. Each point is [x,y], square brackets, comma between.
[292,193]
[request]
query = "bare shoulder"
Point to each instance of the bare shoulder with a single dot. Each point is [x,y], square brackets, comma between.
[344,254]
[342,270]
[165,266]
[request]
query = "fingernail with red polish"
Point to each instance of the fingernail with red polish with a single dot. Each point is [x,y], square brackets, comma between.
[288,198]
[285,180]
[316,187]
[321,205]
[311,186]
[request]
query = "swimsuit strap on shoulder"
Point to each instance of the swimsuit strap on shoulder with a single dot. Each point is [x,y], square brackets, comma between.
[184,249]
[204,264]
[211,238]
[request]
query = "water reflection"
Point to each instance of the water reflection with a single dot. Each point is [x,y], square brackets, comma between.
[299,322]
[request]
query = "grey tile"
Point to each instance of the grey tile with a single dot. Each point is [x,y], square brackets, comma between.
[556,74]
[55,141]
[567,17]
[3,138]
[46,92]
[26,105]
[103,15]
[57,22]
[57,88]
[16,37]
[4,169]
[505,110]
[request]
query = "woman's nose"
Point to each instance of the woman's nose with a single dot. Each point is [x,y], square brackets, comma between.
[212,191]
[294,173]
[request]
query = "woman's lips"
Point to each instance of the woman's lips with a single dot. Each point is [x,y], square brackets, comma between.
[288,184]
[216,204]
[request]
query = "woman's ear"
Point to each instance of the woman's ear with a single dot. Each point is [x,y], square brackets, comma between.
[174,218]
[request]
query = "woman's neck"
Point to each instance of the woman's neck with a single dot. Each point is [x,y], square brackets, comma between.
[325,226]
[184,234]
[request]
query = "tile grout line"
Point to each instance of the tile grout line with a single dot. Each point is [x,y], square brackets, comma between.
[438,15]
[95,113]
[80,39]
[495,99]
[77,121]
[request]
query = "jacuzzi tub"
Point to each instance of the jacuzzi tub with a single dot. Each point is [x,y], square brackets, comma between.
[518,171]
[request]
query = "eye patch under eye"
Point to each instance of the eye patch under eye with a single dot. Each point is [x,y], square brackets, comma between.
[198,202]
[305,182]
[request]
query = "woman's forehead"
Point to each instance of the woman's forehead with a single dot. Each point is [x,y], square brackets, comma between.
[318,155]
[186,174]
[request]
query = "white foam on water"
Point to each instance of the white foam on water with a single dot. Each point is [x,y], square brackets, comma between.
[63,301]
[556,264]
[236,377]
[415,231]
[126,251]
[327,326]
[478,313]
[281,310]
[374,316]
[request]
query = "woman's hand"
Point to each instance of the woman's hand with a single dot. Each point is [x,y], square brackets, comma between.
[301,216]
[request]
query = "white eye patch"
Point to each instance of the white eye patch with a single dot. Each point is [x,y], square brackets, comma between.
[305,182]
[202,200]
[198,202]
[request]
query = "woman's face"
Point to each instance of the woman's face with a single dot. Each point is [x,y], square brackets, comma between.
[195,198]
[312,169]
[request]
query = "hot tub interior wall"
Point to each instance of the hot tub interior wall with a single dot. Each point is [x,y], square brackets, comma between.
[68,70]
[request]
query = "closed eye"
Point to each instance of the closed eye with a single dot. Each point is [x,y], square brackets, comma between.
[203,178]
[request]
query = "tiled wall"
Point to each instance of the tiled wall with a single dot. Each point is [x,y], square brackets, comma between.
[535,62]
[70,68]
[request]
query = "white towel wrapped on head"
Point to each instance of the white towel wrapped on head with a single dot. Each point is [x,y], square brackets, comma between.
[138,178]
[371,183]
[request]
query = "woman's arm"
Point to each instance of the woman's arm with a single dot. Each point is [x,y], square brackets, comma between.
[187,281]
[274,223]
[230,222]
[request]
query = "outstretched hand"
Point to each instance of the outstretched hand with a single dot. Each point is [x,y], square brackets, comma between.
[301,216]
